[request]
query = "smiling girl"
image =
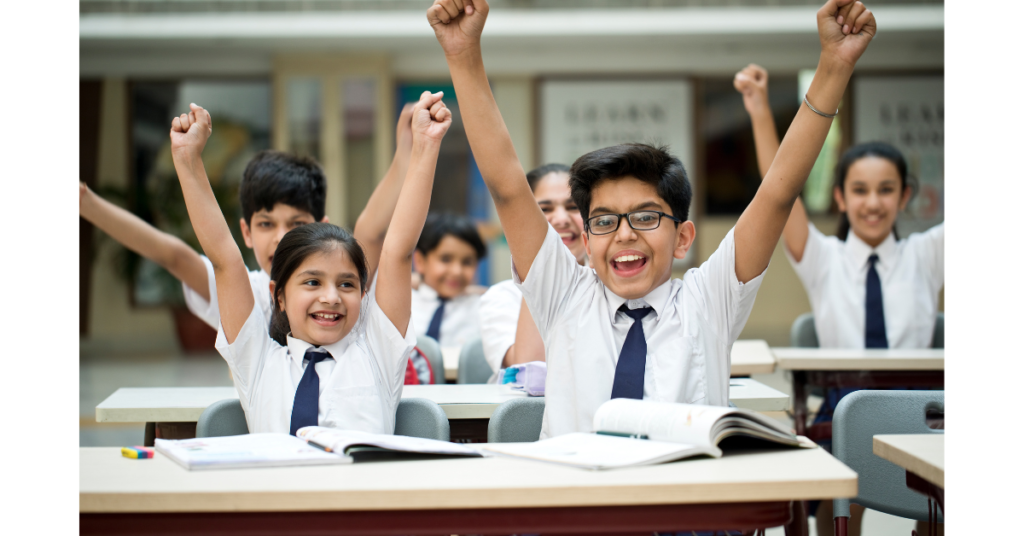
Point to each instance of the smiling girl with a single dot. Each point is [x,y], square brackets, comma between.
[335,353]
[510,336]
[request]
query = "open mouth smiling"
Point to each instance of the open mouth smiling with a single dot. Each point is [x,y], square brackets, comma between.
[326,319]
[628,263]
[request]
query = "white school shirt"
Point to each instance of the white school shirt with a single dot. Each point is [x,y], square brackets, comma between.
[359,388]
[911,271]
[461,321]
[208,310]
[689,334]
[499,318]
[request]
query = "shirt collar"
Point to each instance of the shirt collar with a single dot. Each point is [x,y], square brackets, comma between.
[427,292]
[858,251]
[297,348]
[656,299]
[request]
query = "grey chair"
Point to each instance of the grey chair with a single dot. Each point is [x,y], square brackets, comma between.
[803,335]
[516,421]
[881,485]
[473,367]
[432,350]
[222,418]
[420,417]
[415,417]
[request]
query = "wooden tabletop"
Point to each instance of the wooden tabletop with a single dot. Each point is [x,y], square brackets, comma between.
[111,483]
[471,401]
[751,357]
[839,359]
[921,454]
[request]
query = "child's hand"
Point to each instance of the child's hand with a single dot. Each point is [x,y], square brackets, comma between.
[752,82]
[430,118]
[845,28]
[82,190]
[189,133]
[458,24]
[403,132]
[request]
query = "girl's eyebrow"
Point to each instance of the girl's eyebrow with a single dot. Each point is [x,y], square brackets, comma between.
[315,273]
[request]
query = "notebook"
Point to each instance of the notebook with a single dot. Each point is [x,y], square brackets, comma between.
[638,432]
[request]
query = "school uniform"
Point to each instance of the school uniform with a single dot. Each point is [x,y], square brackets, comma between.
[499,319]
[835,274]
[208,310]
[459,319]
[689,333]
[360,383]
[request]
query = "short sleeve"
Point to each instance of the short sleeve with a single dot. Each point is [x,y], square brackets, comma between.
[205,310]
[499,318]
[929,247]
[388,347]
[728,301]
[809,269]
[551,279]
[247,355]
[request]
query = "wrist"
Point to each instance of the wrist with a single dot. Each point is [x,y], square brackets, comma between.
[424,144]
[466,57]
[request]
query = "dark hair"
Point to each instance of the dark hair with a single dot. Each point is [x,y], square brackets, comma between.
[439,226]
[294,248]
[878,149]
[535,175]
[273,177]
[653,165]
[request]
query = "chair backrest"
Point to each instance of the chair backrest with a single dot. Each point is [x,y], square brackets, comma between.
[420,417]
[222,418]
[881,485]
[516,421]
[432,350]
[939,335]
[473,367]
[802,334]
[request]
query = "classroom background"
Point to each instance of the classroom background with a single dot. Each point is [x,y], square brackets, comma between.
[327,78]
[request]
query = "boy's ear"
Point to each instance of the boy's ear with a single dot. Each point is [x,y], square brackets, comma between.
[418,261]
[837,194]
[247,235]
[325,219]
[685,235]
[586,242]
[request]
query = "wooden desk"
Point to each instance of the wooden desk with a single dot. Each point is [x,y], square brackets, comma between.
[867,369]
[747,490]
[751,357]
[923,457]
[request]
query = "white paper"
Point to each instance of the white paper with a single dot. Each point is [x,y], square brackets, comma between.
[339,440]
[249,450]
[594,451]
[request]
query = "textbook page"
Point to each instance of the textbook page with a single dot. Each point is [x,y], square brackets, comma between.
[595,451]
[249,450]
[660,421]
[340,441]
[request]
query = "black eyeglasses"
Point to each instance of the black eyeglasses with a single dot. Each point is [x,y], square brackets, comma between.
[640,220]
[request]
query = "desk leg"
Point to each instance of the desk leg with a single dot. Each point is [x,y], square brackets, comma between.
[797,525]
[175,430]
[928,489]
[800,402]
[150,435]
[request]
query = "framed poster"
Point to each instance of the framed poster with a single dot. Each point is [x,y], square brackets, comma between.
[908,112]
[579,116]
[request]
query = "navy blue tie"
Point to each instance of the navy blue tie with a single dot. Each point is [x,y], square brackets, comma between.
[307,395]
[629,371]
[874,314]
[434,329]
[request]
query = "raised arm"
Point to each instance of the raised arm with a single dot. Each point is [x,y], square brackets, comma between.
[752,82]
[845,28]
[457,25]
[372,225]
[189,133]
[430,121]
[167,250]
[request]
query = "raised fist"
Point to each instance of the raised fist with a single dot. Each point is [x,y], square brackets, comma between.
[403,132]
[430,117]
[458,24]
[752,82]
[82,191]
[190,131]
[845,28]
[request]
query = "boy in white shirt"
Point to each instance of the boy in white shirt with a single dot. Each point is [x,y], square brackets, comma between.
[278,193]
[679,351]
[447,256]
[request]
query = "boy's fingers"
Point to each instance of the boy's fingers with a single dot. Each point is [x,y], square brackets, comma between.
[444,115]
[450,8]
[865,20]
[176,125]
[437,15]
[851,17]
[460,5]
[436,108]
[184,122]
[192,118]
[843,18]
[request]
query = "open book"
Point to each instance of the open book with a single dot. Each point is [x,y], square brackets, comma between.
[313,446]
[669,432]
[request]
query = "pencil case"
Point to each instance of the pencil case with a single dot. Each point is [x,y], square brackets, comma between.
[529,377]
